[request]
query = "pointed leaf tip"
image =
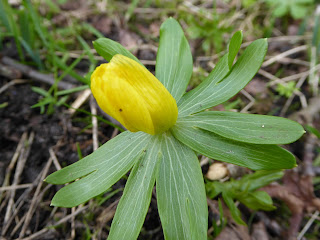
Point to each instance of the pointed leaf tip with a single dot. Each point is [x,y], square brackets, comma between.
[174,59]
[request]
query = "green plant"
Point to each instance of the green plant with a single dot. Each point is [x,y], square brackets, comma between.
[296,8]
[209,30]
[53,97]
[245,191]
[168,157]
[286,89]
[38,47]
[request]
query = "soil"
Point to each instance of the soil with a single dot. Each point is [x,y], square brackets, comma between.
[62,133]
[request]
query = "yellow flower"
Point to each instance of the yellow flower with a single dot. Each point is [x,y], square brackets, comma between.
[128,92]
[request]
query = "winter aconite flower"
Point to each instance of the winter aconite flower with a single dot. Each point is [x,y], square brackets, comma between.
[168,127]
[128,92]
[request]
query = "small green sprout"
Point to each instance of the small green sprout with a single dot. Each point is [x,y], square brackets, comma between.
[162,150]
[245,191]
[296,8]
[286,89]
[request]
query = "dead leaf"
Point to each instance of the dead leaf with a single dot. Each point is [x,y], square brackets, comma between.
[256,86]
[103,24]
[129,40]
[298,194]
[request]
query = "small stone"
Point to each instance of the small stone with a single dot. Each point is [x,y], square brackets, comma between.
[217,171]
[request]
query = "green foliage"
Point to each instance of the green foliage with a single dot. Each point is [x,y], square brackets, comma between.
[223,82]
[27,28]
[180,192]
[248,3]
[169,159]
[208,29]
[245,191]
[286,89]
[296,8]
[313,131]
[174,70]
[253,156]
[218,228]
[232,125]
[234,47]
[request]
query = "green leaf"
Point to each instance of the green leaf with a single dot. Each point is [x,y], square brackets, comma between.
[43,102]
[33,54]
[241,73]
[174,60]
[41,91]
[130,9]
[234,47]
[180,192]
[217,228]
[107,48]
[298,11]
[99,170]
[68,69]
[214,188]
[42,32]
[87,49]
[235,212]
[250,128]
[257,180]
[258,200]
[253,156]
[7,16]
[313,130]
[189,102]
[4,6]
[280,10]
[247,183]
[92,29]
[134,203]
[26,27]
[72,90]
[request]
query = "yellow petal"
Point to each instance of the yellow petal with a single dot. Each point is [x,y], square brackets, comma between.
[131,94]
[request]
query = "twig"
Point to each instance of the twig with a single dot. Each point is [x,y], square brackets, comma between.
[73,225]
[9,72]
[306,115]
[313,78]
[302,97]
[94,124]
[114,133]
[251,99]
[204,160]
[12,83]
[44,230]
[20,166]
[19,203]
[286,60]
[284,54]
[268,75]
[290,38]
[34,199]
[308,225]
[35,75]
[54,159]
[26,185]
[79,101]
[309,154]
[13,161]
[295,76]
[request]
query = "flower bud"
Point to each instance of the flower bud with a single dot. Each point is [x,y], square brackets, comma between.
[128,92]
